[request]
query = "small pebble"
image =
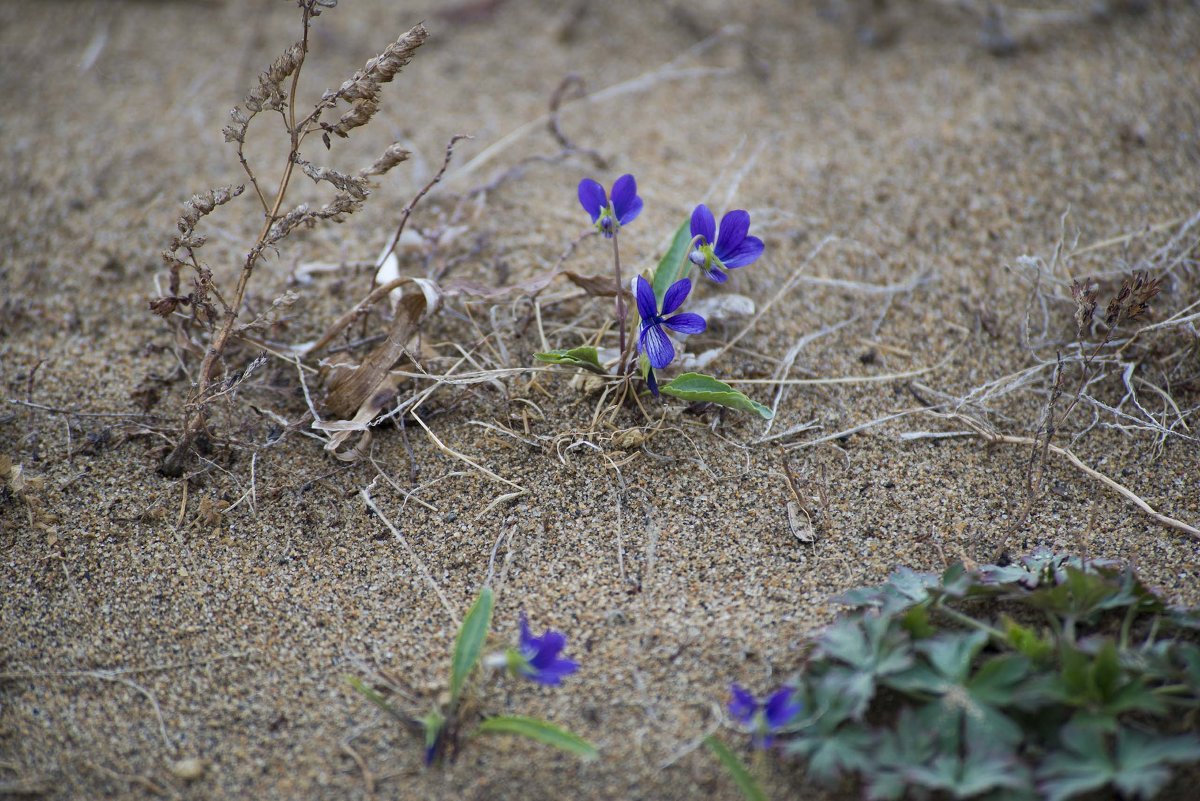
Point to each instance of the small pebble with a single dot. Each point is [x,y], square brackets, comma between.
[188,769]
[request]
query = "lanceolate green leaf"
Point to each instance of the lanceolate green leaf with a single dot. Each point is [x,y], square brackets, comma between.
[542,731]
[737,771]
[706,389]
[585,357]
[470,642]
[670,268]
[374,697]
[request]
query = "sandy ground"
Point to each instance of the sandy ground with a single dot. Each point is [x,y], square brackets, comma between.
[140,626]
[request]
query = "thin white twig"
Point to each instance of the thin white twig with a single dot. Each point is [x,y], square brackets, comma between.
[366,496]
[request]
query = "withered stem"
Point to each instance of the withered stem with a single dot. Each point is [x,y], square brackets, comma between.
[197,417]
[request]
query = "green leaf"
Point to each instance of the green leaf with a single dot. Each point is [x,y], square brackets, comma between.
[900,749]
[1142,758]
[970,776]
[671,267]
[737,771]
[873,648]
[869,644]
[374,697]
[1098,682]
[951,653]
[916,622]
[585,357]
[706,389]
[470,642]
[904,588]
[1080,595]
[542,731]
[996,681]
[843,693]
[956,580]
[848,749]
[1027,642]
[1138,767]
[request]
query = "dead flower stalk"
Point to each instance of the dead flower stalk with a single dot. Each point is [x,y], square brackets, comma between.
[361,93]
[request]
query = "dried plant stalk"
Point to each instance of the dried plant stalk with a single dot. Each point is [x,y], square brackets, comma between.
[276,91]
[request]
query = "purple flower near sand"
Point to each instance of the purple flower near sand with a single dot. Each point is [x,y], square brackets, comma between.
[653,342]
[764,718]
[727,249]
[609,217]
[537,658]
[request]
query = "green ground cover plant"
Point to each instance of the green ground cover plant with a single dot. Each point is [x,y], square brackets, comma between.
[1049,678]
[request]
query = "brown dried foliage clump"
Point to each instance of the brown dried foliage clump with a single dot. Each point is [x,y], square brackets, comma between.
[1129,304]
[206,315]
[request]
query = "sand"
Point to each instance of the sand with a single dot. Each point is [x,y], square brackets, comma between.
[899,184]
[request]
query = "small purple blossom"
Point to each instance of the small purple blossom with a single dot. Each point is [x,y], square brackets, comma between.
[609,217]
[537,658]
[727,249]
[766,718]
[653,342]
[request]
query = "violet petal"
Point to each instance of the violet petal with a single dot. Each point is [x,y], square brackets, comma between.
[686,323]
[703,224]
[676,294]
[647,304]
[745,253]
[734,227]
[656,346]
[592,198]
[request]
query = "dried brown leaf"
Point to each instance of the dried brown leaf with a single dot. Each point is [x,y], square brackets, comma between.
[349,390]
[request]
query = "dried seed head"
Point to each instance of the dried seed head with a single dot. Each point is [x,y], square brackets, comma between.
[390,158]
[166,306]
[384,66]
[1132,300]
[362,90]
[355,187]
[1085,305]
[269,94]
[338,207]
[236,130]
[360,114]
[285,224]
[1144,290]
[203,204]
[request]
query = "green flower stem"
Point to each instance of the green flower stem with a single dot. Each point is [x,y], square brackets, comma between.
[620,301]
[1153,635]
[1058,628]
[685,267]
[1126,625]
[967,620]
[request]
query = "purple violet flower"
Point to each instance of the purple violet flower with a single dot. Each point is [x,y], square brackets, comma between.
[537,658]
[653,341]
[609,217]
[730,248]
[766,718]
